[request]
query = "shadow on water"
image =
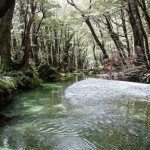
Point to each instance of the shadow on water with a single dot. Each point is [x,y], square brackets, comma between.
[43,122]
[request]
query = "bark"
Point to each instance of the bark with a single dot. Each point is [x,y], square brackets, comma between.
[35,48]
[26,36]
[5,39]
[49,46]
[125,32]
[94,54]
[140,37]
[55,49]
[115,37]
[66,49]
[5,5]
[35,38]
[142,4]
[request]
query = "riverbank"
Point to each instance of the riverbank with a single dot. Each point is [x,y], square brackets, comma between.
[12,82]
[133,74]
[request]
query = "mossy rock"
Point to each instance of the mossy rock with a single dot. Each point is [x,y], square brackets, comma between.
[17,80]
[7,85]
[28,80]
[7,90]
[47,73]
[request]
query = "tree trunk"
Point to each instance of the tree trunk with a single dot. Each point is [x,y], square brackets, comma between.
[35,48]
[142,4]
[115,37]
[87,20]
[125,32]
[26,37]
[94,54]
[56,49]
[138,33]
[5,39]
[5,5]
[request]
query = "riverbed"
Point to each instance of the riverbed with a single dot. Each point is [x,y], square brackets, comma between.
[43,120]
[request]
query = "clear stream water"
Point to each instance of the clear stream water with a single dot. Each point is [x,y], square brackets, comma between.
[42,120]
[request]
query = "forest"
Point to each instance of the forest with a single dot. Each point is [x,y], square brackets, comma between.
[47,43]
[65,36]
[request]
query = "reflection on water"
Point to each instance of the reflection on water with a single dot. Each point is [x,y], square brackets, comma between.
[44,122]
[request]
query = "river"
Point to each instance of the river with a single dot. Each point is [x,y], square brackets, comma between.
[42,120]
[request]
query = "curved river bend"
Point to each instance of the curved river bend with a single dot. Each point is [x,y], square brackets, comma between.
[42,120]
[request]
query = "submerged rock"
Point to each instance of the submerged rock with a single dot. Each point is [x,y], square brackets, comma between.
[94,91]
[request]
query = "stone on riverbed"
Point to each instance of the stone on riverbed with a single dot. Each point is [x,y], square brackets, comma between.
[94,91]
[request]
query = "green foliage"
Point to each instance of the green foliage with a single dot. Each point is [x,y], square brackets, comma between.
[60,36]
[146,78]
[28,80]
[97,70]
[6,67]
[7,85]
[94,71]
[68,76]
[14,81]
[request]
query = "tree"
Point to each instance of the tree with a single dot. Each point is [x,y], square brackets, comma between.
[5,39]
[5,5]
[140,37]
[88,22]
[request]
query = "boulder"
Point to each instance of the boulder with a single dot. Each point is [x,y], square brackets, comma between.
[47,73]
[94,91]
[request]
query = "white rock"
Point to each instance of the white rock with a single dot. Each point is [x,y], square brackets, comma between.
[93,91]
